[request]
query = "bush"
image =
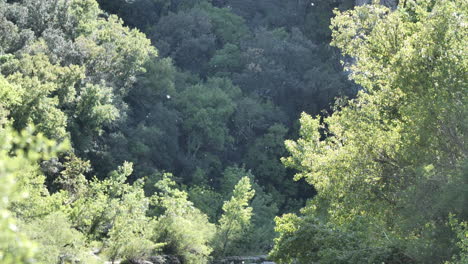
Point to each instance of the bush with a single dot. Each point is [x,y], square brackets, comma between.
[57,240]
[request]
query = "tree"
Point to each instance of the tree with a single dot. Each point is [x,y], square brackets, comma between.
[228,27]
[271,13]
[287,68]
[57,240]
[18,152]
[257,237]
[186,36]
[378,157]
[72,178]
[150,134]
[208,200]
[264,157]
[236,215]
[42,90]
[184,229]
[205,110]
[131,232]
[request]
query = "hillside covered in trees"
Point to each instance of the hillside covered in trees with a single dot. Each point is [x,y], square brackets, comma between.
[187,131]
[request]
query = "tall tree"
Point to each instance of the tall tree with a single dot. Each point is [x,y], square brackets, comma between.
[391,162]
[236,215]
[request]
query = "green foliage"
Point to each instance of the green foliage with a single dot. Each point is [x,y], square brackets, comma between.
[181,121]
[184,229]
[228,27]
[207,200]
[72,178]
[259,237]
[76,67]
[347,243]
[43,89]
[231,177]
[236,216]
[256,237]
[380,157]
[233,77]
[115,213]
[187,37]
[264,155]
[227,60]
[131,232]
[271,13]
[461,229]
[101,203]
[17,151]
[14,247]
[206,109]
[57,240]
[286,67]
[151,135]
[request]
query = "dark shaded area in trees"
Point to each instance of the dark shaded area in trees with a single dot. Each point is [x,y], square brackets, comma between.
[240,74]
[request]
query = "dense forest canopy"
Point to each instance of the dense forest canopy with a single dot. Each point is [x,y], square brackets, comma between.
[187,131]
